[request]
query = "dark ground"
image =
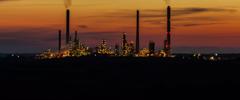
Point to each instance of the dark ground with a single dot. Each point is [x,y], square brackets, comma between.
[119,77]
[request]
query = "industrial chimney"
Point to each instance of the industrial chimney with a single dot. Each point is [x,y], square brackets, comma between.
[67,26]
[124,41]
[59,40]
[168,19]
[137,33]
[168,47]
[76,37]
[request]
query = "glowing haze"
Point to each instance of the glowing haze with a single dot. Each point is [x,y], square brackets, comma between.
[197,25]
[67,3]
[167,2]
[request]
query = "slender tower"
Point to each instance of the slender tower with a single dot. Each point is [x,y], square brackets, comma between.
[76,37]
[137,33]
[59,40]
[76,40]
[124,41]
[168,44]
[67,26]
[165,45]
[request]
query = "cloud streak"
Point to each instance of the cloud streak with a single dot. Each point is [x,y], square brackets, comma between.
[187,11]
[23,39]
[153,16]
[83,26]
[198,24]
[8,0]
[153,13]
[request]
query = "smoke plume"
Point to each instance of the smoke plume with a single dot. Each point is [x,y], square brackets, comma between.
[167,2]
[67,3]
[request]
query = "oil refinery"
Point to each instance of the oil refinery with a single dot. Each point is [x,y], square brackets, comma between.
[127,48]
[74,48]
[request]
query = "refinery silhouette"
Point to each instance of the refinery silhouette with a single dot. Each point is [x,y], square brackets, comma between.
[74,48]
[76,70]
[71,47]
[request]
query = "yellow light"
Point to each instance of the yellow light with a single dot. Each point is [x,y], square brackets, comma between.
[212,58]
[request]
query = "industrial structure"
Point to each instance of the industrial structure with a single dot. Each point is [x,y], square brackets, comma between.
[59,40]
[151,48]
[74,48]
[67,26]
[137,32]
[167,41]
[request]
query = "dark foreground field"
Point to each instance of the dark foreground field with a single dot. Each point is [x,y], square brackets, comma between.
[119,77]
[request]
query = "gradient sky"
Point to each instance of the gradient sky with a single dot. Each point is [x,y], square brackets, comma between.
[198,25]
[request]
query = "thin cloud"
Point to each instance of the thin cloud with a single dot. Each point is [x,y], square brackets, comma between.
[83,26]
[154,13]
[185,11]
[8,0]
[198,24]
[25,39]
[188,21]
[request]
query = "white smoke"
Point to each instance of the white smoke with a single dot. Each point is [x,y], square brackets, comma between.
[67,3]
[167,2]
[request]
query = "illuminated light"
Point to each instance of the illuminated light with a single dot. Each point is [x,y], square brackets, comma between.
[194,55]
[199,54]
[136,55]
[212,58]
[162,53]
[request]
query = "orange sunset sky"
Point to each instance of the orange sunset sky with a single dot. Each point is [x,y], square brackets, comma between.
[28,26]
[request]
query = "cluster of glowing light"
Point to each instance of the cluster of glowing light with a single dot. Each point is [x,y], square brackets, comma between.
[103,49]
[128,49]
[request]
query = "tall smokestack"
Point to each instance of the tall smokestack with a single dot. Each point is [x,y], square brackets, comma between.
[76,41]
[59,40]
[168,19]
[168,30]
[137,33]
[124,41]
[76,37]
[67,26]
[165,44]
